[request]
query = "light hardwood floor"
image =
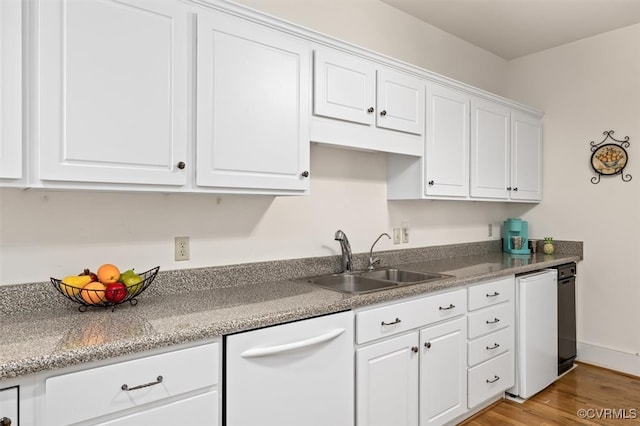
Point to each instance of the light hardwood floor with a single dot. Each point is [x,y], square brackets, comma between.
[587,395]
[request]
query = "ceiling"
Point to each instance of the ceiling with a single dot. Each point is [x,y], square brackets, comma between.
[514,28]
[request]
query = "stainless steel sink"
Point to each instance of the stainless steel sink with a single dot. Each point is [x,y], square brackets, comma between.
[364,282]
[349,283]
[402,277]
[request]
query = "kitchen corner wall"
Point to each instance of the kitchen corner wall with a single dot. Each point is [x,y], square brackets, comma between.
[585,88]
[55,233]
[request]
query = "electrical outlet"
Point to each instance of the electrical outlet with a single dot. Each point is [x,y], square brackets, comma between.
[490,230]
[405,232]
[181,248]
[396,235]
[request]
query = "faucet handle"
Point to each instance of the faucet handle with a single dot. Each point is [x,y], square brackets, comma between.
[372,263]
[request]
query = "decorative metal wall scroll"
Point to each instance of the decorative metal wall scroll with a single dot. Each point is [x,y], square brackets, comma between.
[609,159]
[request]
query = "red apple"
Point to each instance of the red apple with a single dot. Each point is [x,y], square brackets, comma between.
[115,292]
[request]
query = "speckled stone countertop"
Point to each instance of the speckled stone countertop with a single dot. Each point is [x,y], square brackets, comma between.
[51,333]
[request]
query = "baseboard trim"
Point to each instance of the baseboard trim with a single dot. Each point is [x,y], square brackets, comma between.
[609,358]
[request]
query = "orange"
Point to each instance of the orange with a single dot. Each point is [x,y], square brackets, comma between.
[108,273]
[93,293]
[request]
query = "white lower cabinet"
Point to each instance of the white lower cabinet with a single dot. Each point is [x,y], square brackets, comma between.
[443,384]
[491,358]
[179,387]
[9,404]
[197,410]
[387,382]
[416,375]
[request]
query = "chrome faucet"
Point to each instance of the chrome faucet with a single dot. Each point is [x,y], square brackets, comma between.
[373,261]
[347,257]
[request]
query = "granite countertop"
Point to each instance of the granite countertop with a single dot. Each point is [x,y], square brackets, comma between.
[40,340]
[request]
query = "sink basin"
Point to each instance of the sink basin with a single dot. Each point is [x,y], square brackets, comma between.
[402,277]
[365,282]
[349,283]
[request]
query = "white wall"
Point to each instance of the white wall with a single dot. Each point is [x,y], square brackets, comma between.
[54,233]
[585,88]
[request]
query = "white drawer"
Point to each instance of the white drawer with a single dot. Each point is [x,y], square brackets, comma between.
[392,319]
[98,391]
[489,346]
[491,293]
[490,319]
[490,378]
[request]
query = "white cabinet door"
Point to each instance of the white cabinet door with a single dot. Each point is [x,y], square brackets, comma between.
[9,404]
[490,140]
[113,91]
[11,89]
[400,101]
[447,142]
[387,382]
[199,410]
[343,87]
[253,95]
[443,380]
[526,157]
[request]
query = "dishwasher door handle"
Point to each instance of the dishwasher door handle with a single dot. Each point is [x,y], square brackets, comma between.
[274,350]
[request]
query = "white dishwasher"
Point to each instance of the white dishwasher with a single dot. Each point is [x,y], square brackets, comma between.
[301,373]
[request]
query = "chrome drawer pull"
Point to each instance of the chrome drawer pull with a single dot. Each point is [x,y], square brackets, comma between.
[397,321]
[495,379]
[451,306]
[495,320]
[126,387]
[495,293]
[495,346]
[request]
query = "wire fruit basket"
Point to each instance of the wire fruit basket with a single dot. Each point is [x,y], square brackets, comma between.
[97,297]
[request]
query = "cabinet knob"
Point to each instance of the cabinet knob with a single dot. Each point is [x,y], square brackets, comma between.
[181,165]
[430,183]
[414,349]
[370,110]
[508,188]
[515,189]
[5,421]
[304,174]
[427,345]
[383,112]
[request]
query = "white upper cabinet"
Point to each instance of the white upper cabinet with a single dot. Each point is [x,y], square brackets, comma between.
[344,87]
[113,92]
[490,140]
[360,104]
[526,157]
[400,100]
[447,142]
[11,89]
[506,153]
[252,106]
